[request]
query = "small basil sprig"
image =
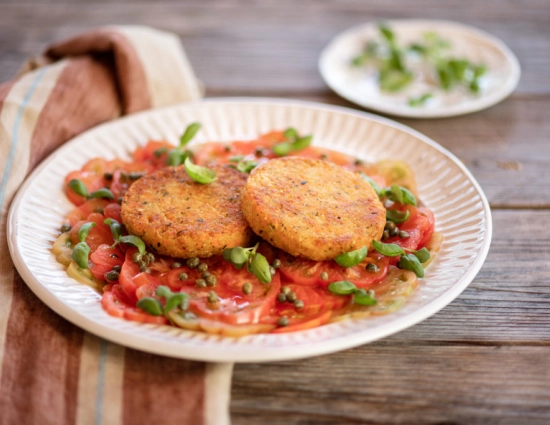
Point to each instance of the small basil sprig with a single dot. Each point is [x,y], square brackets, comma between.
[409,261]
[200,174]
[352,258]
[80,189]
[345,287]
[244,166]
[255,262]
[397,216]
[116,230]
[294,142]
[178,156]
[81,251]
[173,299]
[400,195]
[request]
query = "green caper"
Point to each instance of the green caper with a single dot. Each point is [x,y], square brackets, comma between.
[204,275]
[291,296]
[141,264]
[259,151]
[394,231]
[324,156]
[112,275]
[386,234]
[151,257]
[108,176]
[119,200]
[202,267]
[389,225]
[324,276]
[117,268]
[373,268]
[183,276]
[285,290]
[247,288]
[201,283]
[211,280]
[66,227]
[175,265]
[193,262]
[134,176]
[283,321]
[281,297]
[227,148]
[276,263]
[403,234]
[145,270]
[358,162]
[272,271]
[145,259]
[136,257]
[212,297]
[299,304]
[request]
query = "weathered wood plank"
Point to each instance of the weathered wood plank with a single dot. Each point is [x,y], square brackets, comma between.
[388,384]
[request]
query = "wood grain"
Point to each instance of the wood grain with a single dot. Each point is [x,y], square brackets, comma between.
[485,358]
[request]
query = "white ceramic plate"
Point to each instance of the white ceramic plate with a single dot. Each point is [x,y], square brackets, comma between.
[461,211]
[360,85]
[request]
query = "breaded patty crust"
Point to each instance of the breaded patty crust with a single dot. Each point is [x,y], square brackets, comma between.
[312,208]
[178,217]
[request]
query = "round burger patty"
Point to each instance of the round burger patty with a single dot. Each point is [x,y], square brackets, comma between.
[176,216]
[312,208]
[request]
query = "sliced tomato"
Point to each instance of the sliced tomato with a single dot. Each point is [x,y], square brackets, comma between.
[113,304]
[84,210]
[104,259]
[419,226]
[303,323]
[112,210]
[315,299]
[126,278]
[302,271]
[91,180]
[120,184]
[153,154]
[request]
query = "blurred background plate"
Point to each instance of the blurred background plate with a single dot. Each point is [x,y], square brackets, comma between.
[360,86]
[445,185]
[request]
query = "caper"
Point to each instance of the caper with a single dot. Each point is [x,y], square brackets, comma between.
[373,268]
[324,276]
[213,297]
[211,280]
[358,162]
[272,271]
[324,156]
[119,200]
[112,275]
[202,267]
[145,270]
[108,176]
[175,265]
[259,151]
[276,263]
[205,274]
[136,257]
[281,297]
[66,227]
[201,283]
[151,257]
[227,148]
[145,260]
[247,288]
[394,231]
[183,276]
[285,290]
[403,234]
[283,321]
[386,235]
[193,262]
[134,176]
[389,225]
[299,304]
[291,296]
[117,268]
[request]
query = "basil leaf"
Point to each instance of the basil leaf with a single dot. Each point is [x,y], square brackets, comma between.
[236,158]
[420,100]
[374,185]
[423,255]
[174,301]
[189,133]
[408,197]
[362,297]
[80,254]
[164,291]
[282,149]
[350,259]
[342,287]
[388,249]
[401,195]
[150,305]
[200,174]
[410,262]
[116,228]
[246,166]
[396,194]
[102,193]
[174,158]
[397,216]
[227,254]
[238,257]
[393,80]
[78,187]
[134,240]
[387,33]
[291,133]
[84,230]
[259,267]
[302,143]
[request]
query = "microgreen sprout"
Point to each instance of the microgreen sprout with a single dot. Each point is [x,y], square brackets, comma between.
[173,300]
[411,260]
[179,155]
[116,230]
[294,142]
[81,251]
[200,174]
[360,296]
[80,189]
[255,262]
[352,258]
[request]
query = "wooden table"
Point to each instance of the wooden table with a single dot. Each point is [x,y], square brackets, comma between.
[483,359]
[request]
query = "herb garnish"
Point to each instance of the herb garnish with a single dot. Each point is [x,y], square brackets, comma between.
[255,262]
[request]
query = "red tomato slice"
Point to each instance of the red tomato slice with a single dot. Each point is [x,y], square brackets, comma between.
[315,299]
[104,259]
[126,278]
[308,272]
[100,234]
[84,210]
[419,226]
[153,154]
[113,211]
[91,180]
[301,324]
[118,308]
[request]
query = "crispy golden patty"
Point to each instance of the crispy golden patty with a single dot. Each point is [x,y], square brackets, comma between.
[312,208]
[181,218]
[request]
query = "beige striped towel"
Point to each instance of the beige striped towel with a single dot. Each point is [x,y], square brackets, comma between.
[52,372]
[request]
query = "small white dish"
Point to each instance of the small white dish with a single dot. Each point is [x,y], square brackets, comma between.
[445,185]
[360,86]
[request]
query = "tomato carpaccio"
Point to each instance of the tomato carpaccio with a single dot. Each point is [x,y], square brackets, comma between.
[240,298]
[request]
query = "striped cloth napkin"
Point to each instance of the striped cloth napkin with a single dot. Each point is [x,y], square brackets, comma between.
[52,372]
